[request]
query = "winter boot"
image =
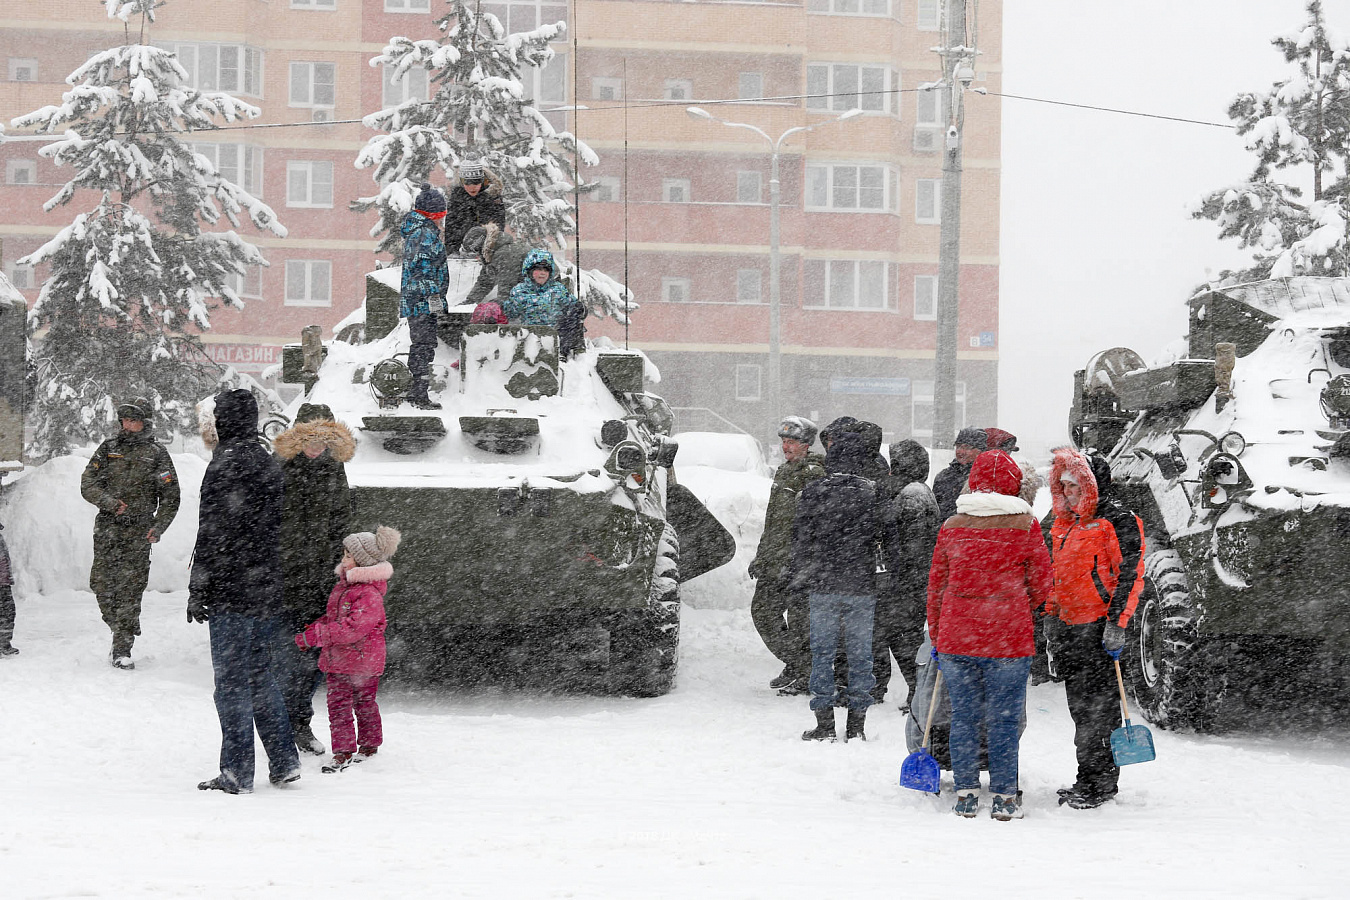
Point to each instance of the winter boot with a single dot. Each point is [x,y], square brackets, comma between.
[854,729]
[365,753]
[824,730]
[306,742]
[1006,807]
[967,803]
[120,656]
[784,678]
[340,762]
[286,777]
[424,403]
[796,687]
[220,784]
[8,649]
[1088,799]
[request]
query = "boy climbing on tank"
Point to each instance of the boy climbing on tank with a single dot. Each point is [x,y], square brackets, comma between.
[425,281]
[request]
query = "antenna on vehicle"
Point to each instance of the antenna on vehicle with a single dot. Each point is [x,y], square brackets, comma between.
[626,290]
[576,160]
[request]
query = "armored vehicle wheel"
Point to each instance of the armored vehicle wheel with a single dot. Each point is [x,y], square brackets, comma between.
[1171,669]
[645,645]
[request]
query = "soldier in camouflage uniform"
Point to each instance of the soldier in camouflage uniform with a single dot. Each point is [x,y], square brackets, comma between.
[780,615]
[131,480]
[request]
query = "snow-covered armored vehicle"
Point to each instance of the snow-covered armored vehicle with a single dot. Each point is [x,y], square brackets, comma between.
[539,514]
[1237,459]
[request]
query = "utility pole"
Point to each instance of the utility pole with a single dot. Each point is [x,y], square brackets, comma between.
[958,72]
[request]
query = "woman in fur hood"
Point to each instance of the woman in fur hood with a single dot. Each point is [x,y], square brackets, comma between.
[315,519]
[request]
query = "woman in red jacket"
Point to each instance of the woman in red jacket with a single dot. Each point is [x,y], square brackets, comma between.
[990,572]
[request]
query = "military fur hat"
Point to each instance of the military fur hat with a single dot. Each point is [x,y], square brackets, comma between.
[798,428]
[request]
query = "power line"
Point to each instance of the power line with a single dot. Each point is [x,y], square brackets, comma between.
[1122,112]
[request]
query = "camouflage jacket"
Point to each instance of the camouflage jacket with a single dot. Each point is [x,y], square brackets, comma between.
[775,545]
[132,469]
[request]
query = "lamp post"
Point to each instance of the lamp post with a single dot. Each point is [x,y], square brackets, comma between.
[775,146]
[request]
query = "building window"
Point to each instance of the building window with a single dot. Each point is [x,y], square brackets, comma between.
[849,188]
[844,86]
[850,7]
[309,282]
[313,84]
[748,378]
[749,285]
[399,89]
[922,428]
[22,69]
[249,284]
[749,187]
[928,107]
[240,164]
[675,290]
[21,276]
[678,89]
[750,86]
[675,190]
[608,189]
[607,88]
[525,15]
[313,4]
[847,284]
[925,296]
[221,67]
[928,201]
[20,171]
[928,15]
[309,183]
[407,6]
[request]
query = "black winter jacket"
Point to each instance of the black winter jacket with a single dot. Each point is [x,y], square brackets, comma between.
[463,212]
[947,487]
[236,565]
[835,533]
[908,516]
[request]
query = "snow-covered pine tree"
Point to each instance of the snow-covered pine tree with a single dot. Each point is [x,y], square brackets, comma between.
[478,109]
[1299,131]
[130,279]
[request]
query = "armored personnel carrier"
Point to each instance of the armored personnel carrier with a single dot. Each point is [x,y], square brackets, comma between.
[542,525]
[1237,459]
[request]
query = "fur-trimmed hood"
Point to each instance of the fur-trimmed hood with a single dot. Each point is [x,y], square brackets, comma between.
[1071,462]
[492,185]
[336,437]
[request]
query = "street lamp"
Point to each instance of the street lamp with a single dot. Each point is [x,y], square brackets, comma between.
[774,300]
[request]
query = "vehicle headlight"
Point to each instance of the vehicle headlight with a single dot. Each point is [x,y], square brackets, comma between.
[1233,443]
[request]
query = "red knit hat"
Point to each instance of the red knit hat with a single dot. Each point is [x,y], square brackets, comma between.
[995,472]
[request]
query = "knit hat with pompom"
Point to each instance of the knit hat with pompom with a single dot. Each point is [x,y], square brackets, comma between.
[369,549]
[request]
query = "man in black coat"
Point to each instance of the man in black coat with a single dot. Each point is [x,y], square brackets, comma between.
[834,539]
[236,585]
[947,486]
[908,516]
[314,520]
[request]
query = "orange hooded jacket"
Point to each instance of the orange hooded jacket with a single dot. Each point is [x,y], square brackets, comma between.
[1093,577]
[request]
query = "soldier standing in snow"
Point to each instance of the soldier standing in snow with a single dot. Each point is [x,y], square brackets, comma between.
[131,479]
[780,614]
[236,587]
[1097,546]
[314,520]
[6,601]
[970,443]
[422,290]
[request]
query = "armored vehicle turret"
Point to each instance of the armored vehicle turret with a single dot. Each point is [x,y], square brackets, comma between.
[542,524]
[1237,459]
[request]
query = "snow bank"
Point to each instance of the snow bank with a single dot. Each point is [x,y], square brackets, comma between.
[50,528]
[737,499]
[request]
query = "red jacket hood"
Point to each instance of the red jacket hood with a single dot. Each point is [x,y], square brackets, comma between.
[1070,461]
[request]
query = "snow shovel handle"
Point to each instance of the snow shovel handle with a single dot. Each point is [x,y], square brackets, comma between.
[1120,682]
[932,705]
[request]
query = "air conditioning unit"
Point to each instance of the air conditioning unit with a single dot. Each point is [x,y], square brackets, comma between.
[321,115]
[927,138]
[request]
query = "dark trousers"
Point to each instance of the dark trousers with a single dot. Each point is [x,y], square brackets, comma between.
[119,577]
[247,696]
[783,619]
[422,331]
[898,631]
[298,676]
[1090,685]
[122,614]
[6,615]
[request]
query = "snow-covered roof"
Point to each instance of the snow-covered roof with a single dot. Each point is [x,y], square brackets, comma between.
[9,294]
[1286,297]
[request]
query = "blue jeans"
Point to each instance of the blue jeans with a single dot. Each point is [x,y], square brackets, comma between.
[989,696]
[852,613]
[247,695]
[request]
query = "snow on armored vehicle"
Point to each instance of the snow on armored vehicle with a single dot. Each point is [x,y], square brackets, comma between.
[538,510]
[1237,459]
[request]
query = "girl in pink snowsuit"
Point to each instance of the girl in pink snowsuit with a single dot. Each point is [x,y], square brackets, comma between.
[351,634]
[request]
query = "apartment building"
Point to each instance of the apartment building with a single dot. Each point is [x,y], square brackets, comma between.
[683,207]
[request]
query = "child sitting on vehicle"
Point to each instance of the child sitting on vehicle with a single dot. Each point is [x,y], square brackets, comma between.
[351,633]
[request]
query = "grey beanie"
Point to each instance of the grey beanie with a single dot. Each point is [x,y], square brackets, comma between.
[369,549]
[471,171]
[798,428]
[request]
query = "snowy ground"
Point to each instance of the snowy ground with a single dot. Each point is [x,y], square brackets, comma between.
[705,792]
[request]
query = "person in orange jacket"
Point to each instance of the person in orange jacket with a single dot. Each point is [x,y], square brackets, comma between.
[1097,550]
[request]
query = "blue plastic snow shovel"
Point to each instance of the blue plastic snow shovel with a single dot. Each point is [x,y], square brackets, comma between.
[920,771]
[1130,743]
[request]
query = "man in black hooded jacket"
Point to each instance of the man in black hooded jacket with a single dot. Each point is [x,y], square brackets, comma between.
[236,585]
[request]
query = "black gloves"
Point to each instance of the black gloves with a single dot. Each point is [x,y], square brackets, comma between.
[1113,640]
[196,609]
